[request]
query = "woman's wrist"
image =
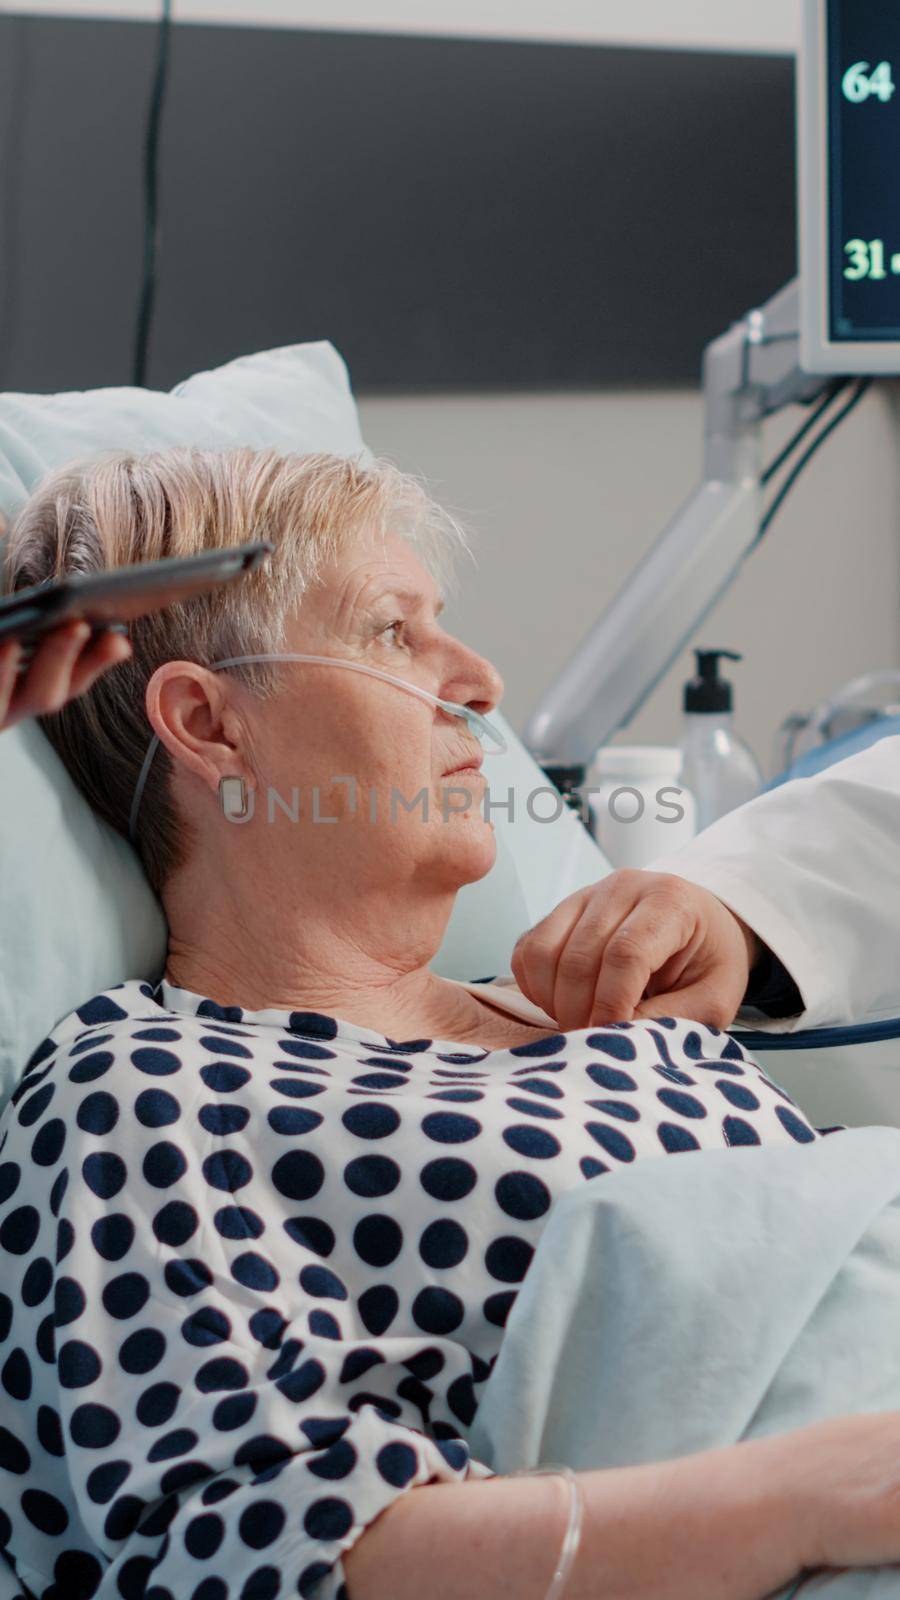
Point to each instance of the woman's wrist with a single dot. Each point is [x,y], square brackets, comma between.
[725,1522]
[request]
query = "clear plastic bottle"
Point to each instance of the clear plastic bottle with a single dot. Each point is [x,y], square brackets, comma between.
[640,807]
[718,767]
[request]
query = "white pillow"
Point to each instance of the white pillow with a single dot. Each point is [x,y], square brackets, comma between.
[77,913]
[297,398]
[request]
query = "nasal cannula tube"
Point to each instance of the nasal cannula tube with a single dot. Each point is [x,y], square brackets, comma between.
[478,724]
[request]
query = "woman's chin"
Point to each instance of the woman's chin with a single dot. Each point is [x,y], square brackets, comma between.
[471,849]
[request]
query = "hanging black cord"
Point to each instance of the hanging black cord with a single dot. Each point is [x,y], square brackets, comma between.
[797,438]
[858,391]
[151,199]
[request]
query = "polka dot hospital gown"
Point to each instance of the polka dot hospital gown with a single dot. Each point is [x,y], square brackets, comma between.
[256,1267]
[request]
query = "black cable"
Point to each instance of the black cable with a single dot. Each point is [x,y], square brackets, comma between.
[797,438]
[858,391]
[16,95]
[151,198]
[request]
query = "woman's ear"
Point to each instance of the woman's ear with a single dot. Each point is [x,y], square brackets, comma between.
[190,710]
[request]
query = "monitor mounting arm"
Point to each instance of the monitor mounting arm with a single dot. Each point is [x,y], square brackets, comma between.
[749,373]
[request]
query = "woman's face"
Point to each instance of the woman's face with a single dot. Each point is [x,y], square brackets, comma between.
[369,763]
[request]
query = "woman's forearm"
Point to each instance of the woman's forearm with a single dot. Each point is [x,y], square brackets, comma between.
[719,1524]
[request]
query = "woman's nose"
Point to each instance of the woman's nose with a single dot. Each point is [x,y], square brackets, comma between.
[474,681]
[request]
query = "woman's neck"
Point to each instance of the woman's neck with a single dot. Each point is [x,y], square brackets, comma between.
[259,958]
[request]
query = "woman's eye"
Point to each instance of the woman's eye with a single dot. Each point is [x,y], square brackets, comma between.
[385,633]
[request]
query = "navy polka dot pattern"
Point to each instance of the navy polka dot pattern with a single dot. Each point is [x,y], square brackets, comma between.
[257,1267]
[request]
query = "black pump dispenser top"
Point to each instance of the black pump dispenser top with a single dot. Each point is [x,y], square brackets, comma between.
[708,692]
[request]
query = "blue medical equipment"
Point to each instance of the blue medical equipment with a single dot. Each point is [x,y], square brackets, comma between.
[839,749]
[849,720]
[841,316]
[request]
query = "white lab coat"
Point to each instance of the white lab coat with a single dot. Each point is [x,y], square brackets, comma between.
[813,868]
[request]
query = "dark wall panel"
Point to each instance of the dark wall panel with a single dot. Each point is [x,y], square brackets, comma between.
[453,214]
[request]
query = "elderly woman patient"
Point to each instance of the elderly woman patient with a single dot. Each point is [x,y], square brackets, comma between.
[263,1222]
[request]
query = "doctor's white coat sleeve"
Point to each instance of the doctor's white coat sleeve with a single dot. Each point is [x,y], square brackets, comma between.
[813,867]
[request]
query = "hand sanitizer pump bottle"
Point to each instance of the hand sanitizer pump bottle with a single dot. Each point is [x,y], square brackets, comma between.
[718,767]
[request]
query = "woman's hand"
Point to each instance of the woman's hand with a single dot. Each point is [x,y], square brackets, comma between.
[65,664]
[637,944]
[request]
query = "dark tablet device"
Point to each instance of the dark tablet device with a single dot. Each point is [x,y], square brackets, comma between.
[104,598]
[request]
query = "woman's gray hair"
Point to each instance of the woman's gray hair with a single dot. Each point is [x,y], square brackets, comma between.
[121,509]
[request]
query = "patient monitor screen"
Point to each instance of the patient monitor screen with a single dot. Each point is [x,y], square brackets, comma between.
[863,142]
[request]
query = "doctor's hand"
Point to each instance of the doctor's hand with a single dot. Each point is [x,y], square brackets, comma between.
[637,944]
[66,663]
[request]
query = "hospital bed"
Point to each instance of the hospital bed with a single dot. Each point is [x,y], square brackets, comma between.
[78,915]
